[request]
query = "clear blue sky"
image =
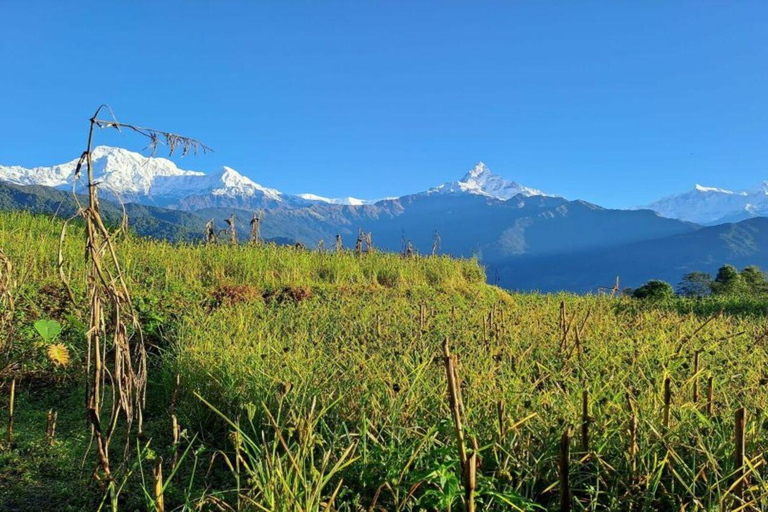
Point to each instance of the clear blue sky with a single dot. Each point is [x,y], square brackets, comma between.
[611,102]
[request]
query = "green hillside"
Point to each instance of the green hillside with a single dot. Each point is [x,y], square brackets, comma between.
[315,381]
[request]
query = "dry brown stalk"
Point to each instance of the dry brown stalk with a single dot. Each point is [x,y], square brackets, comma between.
[210,232]
[436,241]
[50,430]
[7,303]
[113,329]
[470,478]
[454,392]
[157,473]
[232,229]
[11,411]
[176,437]
[501,410]
[585,421]
[255,238]
[633,443]
[359,242]
[696,376]
[565,465]
[740,421]
[667,400]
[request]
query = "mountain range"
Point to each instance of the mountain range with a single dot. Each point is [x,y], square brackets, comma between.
[527,238]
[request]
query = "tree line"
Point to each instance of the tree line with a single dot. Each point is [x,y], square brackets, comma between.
[728,281]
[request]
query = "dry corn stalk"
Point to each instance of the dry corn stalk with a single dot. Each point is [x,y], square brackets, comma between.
[256,228]
[7,305]
[116,356]
[468,463]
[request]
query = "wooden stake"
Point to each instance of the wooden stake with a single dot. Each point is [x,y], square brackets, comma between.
[667,400]
[710,395]
[585,421]
[739,439]
[11,402]
[565,455]
[158,476]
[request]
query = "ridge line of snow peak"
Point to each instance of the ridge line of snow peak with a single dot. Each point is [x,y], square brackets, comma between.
[712,205]
[156,180]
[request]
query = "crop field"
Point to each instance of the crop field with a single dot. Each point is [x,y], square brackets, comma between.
[297,380]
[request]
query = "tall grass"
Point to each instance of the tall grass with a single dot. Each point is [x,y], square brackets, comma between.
[317,381]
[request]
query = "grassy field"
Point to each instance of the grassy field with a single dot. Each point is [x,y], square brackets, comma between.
[308,381]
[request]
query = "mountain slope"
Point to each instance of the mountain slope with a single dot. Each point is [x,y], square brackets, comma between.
[144,220]
[668,258]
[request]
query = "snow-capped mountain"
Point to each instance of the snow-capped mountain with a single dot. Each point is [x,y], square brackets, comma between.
[709,205]
[481,181]
[351,201]
[133,177]
[118,171]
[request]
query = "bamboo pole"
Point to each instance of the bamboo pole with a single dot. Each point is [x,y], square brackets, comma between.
[710,395]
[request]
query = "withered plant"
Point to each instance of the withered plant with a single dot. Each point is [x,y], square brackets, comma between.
[255,237]
[116,361]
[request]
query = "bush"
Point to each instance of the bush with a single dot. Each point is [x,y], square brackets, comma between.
[654,290]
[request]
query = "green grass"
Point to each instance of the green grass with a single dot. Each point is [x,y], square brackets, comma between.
[308,376]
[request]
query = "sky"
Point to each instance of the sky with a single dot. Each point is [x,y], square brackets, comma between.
[617,103]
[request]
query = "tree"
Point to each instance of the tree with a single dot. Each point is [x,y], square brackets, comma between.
[654,290]
[728,281]
[695,284]
[755,281]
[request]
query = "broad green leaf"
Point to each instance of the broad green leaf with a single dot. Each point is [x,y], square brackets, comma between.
[48,329]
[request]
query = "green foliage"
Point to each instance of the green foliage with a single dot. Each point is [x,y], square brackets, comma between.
[755,280]
[310,381]
[728,281]
[48,329]
[654,290]
[695,284]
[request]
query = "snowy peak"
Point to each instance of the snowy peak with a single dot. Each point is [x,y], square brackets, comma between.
[478,172]
[702,188]
[229,182]
[349,201]
[134,177]
[711,205]
[480,180]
